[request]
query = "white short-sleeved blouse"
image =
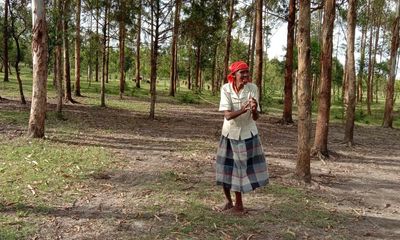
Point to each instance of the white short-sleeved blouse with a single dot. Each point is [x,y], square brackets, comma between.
[243,126]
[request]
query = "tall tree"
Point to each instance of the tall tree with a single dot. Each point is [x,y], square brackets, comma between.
[138,33]
[17,14]
[5,40]
[155,26]
[122,34]
[388,115]
[231,7]
[67,66]
[350,73]
[104,52]
[288,100]
[259,48]
[362,64]
[174,55]
[78,49]
[39,60]
[304,92]
[58,56]
[324,103]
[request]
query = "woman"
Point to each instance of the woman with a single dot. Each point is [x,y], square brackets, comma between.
[241,165]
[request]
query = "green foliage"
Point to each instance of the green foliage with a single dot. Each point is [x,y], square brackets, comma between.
[188,98]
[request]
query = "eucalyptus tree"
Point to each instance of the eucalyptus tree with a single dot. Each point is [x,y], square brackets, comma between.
[138,43]
[204,20]
[388,115]
[324,103]
[174,51]
[67,67]
[39,58]
[231,7]
[5,40]
[288,89]
[350,73]
[78,49]
[259,49]
[304,92]
[19,24]
[159,12]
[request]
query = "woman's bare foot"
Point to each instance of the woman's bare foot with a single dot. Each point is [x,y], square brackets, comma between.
[224,207]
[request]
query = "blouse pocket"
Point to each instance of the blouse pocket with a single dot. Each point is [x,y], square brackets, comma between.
[237,102]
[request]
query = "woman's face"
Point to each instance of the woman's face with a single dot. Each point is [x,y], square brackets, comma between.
[241,78]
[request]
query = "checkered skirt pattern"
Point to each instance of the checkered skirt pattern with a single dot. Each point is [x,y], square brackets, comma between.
[241,164]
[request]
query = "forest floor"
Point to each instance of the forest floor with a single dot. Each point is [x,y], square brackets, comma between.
[159,183]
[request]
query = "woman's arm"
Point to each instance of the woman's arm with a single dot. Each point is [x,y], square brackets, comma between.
[234,114]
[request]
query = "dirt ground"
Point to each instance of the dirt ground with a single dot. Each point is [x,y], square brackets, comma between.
[362,180]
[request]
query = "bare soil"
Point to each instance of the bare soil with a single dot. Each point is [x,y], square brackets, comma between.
[362,181]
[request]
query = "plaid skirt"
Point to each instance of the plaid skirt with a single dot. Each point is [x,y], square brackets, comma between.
[241,164]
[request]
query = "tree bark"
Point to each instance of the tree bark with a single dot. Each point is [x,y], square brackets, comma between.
[351,73]
[388,115]
[97,41]
[122,51]
[288,100]
[67,67]
[198,67]
[155,18]
[5,40]
[58,58]
[304,92]
[324,103]
[174,55]
[228,39]
[362,65]
[104,62]
[39,59]
[16,35]
[259,50]
[139,29]
[78,49]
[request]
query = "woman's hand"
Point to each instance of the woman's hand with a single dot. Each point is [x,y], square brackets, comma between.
[253,104]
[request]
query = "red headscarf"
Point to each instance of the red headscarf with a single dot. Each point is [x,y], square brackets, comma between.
[234,67]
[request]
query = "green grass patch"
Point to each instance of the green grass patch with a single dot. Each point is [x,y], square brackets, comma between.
[36,171]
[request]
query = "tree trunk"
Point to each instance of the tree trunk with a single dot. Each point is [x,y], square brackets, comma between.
[174,56]
[155,18]
[259,50]
[5,40]
[198,67]
[104,62]
[16,36]
[58,58]
[369,80]
[18,59]
[213,71]
[304,92]
[288,101]
[388,115]
[78,49]
[228,39]
[324,103]
[190,70]
[374,60]
[97,41]
[107,49]
[122,52]
[253,45]
[39,60]
[362,65]
[139,29]
[351,73]
[67,68]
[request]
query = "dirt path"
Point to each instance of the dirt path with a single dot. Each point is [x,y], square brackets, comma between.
[362,181]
